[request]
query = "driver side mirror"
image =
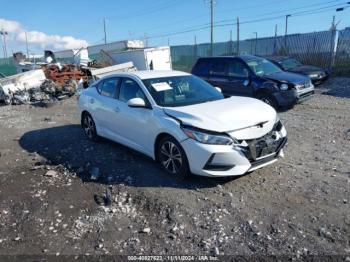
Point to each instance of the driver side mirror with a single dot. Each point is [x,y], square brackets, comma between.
[246,82]
[246,73]
[248,77]
[136,102]
[219,89]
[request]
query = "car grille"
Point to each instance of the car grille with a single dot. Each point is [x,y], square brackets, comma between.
[267,146]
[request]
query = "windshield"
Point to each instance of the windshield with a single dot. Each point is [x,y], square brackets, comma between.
[290,63]
[263,67]
[181,90]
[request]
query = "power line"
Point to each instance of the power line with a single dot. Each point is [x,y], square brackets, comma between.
[228,20]
[217,24]
[143,12]
[292,9]
[206,26]
[202,16]
[309,12]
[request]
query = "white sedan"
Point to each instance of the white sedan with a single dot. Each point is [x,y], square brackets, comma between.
[183,122]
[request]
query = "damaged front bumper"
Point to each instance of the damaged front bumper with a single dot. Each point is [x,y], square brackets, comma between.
[305,93]
[291,97]
[225,160]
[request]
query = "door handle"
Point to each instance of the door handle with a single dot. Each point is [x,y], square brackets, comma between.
[117,109]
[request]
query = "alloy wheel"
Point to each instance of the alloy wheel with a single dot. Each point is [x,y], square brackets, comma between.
[89,127]
[266,100]
[171,157]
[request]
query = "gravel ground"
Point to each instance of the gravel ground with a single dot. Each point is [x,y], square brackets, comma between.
[297,208]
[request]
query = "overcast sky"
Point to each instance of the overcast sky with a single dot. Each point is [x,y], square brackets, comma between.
[72,24]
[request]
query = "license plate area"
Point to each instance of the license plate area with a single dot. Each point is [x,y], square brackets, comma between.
[264,147]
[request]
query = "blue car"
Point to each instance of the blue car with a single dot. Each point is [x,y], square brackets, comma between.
[254,76]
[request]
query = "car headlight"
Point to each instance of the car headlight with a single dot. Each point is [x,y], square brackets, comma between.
[277,118]
[207,138]
[284,87]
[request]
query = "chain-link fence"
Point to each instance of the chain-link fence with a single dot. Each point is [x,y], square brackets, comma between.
[342,56]
[7,67]
[327,49]
[317,48]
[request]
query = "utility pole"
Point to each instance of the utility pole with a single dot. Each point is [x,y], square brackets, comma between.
[4,34]
[168,41]
[332,51]
[27,45]
[195,47]
[286,33]
[275,42]
[211,27]
[333,27]
[146,39]
[230,52]
[104,29]
[276,30]
[256,40]
[237,35]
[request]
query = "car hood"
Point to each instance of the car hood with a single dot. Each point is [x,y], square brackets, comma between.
[287,77]
[307,69]
[231,115]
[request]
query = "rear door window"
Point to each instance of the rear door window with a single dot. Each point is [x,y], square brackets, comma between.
[109,87]
[237,69]
[201,68]
[218,67]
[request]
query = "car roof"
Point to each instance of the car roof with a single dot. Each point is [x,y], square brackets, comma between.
[242,57]
[277,58]
[148,74]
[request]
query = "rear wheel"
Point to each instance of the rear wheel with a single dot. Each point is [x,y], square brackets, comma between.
[172,157]
[89,127]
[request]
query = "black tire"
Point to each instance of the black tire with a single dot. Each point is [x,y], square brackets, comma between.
[267,99]
[89,127]
[172,157]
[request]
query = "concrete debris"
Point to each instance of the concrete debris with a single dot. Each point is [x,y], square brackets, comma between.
[48,91]
[17,87]
[101,72]
[51,173]
[146,230]
[53,81]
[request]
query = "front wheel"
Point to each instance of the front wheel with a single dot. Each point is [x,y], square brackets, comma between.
[267,99]
[172,157]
